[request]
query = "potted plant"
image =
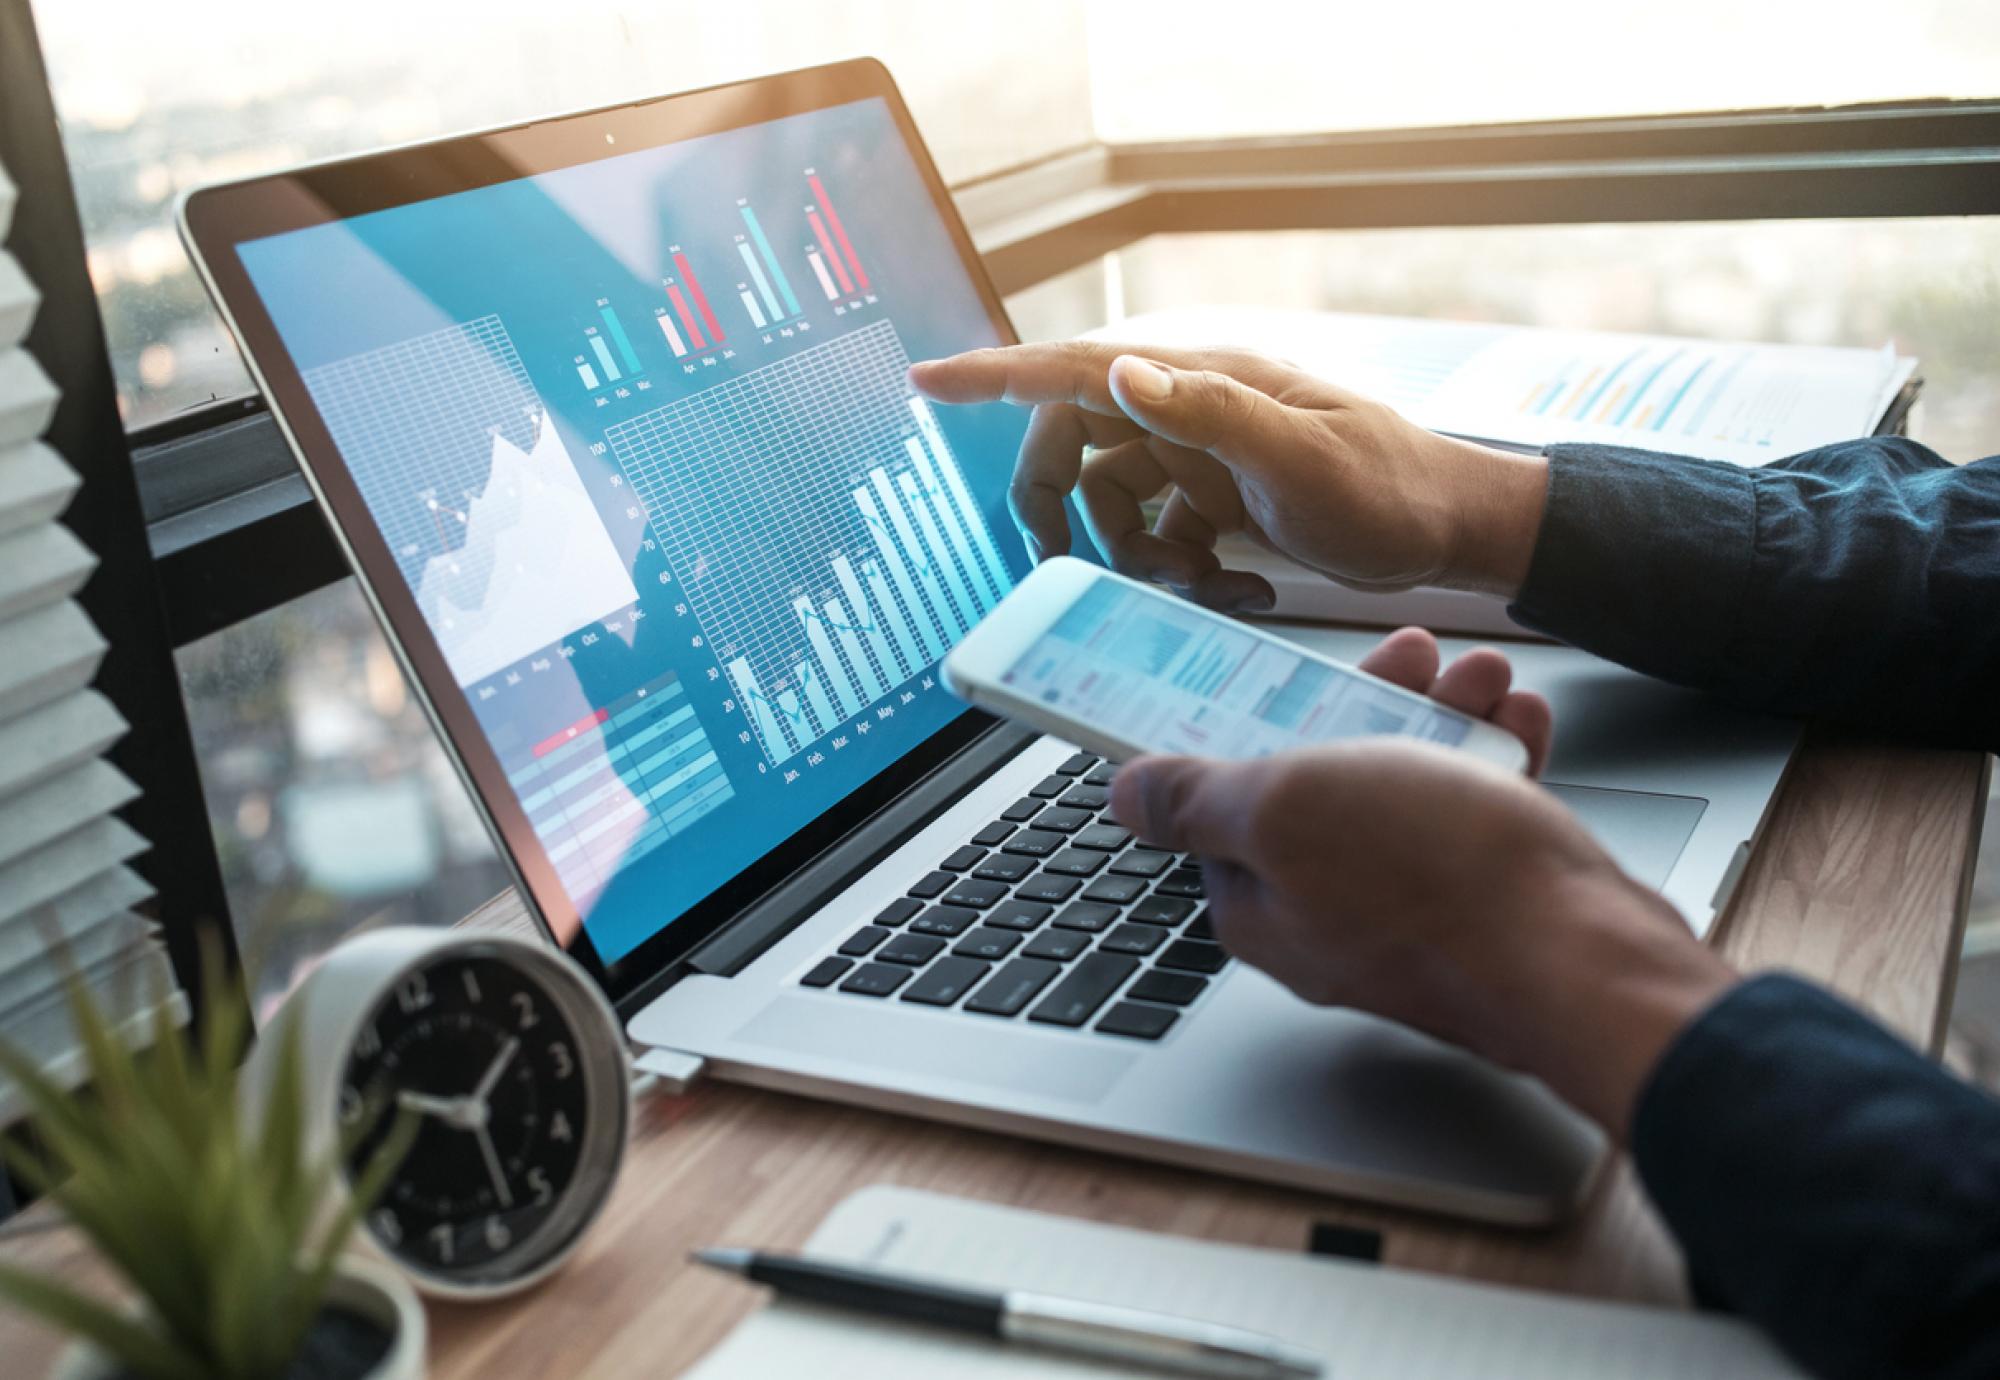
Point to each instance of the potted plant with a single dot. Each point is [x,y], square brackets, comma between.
[212,1216]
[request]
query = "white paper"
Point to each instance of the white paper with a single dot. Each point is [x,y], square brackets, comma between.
[1362,1320]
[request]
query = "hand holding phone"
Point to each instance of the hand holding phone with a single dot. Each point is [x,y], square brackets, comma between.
[1122,668]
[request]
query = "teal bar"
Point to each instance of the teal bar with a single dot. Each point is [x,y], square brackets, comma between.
[617,329]
[764,248]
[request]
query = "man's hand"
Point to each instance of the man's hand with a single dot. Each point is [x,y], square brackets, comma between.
[1243,443]
[1420,884]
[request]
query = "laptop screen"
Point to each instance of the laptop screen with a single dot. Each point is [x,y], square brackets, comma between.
[637,437]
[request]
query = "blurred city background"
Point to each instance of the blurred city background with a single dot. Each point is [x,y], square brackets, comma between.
[331,802]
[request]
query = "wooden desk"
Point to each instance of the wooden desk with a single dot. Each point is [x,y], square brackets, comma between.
[1861,881]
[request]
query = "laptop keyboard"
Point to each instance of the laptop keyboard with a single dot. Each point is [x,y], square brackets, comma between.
[1052,914]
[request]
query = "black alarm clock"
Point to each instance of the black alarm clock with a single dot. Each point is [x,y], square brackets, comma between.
[511,1066]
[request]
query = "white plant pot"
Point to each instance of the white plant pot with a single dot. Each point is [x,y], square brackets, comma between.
[364,1286]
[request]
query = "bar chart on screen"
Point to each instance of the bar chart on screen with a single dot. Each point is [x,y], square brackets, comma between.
[822,533]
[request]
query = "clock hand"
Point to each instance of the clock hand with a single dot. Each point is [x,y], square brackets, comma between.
[493,1164]
[424,1104]
[495,1069]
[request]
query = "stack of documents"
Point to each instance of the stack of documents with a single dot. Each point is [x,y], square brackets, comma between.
[1361,1320]
[1523,388]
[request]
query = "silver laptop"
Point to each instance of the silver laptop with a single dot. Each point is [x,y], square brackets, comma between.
[609,413]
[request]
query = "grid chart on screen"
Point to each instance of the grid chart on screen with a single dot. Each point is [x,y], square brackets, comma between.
[823,534]
[416,423]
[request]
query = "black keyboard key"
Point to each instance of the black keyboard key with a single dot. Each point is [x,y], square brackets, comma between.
[1085,915]
[1018,915]
[1202,928]
[1106,838]
[946,980]
[1012,988]
[979,894]
[1004,867]
[1182,881]
[825,971]
[1021,811]
[994,834]
[863,939]
[1193,956]
[1101,774]
[912,949]
[1176,989]
[1060,945]
[1083,988]
[949,921]
[1033,843]
[876,979]
[1062,820]
[930,884]
[1092,798]
[898,910]
[1077,765]
[1049,787]
[1115,891]
[963,859]
[1140,1022]
[1046,887]
[1074,862]
[987,942]
[1126,939]
[1143,862]
[1162,910]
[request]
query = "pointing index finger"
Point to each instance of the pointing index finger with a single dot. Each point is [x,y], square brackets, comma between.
[1061,371]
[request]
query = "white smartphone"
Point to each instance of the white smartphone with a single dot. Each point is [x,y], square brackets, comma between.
[1121,668]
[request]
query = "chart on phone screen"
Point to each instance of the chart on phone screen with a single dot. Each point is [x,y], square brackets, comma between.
[475,494]
[1175,679]
[822,532]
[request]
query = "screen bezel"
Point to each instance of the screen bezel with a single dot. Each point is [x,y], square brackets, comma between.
[215,220]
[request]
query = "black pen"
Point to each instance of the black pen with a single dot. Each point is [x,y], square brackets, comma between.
[1126,1335]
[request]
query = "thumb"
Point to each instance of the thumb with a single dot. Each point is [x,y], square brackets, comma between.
[1187,804]
[1206,410]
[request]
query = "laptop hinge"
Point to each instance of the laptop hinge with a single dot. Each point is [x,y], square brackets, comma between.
[765,922]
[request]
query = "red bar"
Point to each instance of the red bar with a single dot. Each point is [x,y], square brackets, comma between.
[700,297]
[583,725]
[826,249]
[687,317]
[839,231]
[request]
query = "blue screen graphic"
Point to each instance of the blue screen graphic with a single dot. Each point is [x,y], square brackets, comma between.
[638,436]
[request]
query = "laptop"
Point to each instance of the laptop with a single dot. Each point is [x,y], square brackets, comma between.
[609,414]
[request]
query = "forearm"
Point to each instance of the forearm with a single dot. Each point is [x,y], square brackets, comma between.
[1829,1183]
[1856,582]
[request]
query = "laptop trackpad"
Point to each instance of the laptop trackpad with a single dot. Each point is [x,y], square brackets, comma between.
[960,1049]
[1642,831]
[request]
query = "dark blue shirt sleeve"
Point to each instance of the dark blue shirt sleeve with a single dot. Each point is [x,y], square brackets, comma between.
[1858,582]
[1830,1184]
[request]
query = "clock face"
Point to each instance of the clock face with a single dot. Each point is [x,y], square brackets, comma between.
[488,1063]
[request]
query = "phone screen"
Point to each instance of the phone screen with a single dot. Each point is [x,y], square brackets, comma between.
[1170,677]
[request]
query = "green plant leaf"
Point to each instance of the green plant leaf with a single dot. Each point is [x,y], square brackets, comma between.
[131,1344]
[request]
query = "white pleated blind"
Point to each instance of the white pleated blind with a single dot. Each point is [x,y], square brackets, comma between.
[63,853]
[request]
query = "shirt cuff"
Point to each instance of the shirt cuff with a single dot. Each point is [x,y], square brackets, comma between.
[1643,558]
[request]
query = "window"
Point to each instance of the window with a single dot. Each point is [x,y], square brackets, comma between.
[1181,71]
[156,99]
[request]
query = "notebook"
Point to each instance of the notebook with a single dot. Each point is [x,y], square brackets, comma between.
[1363,1320]
[1524,387]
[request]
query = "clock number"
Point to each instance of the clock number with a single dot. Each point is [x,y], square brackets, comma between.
[498,1238]
[559,1128]
[560,1056]
[538,1184]
[387,1226]
[441,1240]
[415,994]
[351,1105]
[472,992]
[524,1006]
[368,1043]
